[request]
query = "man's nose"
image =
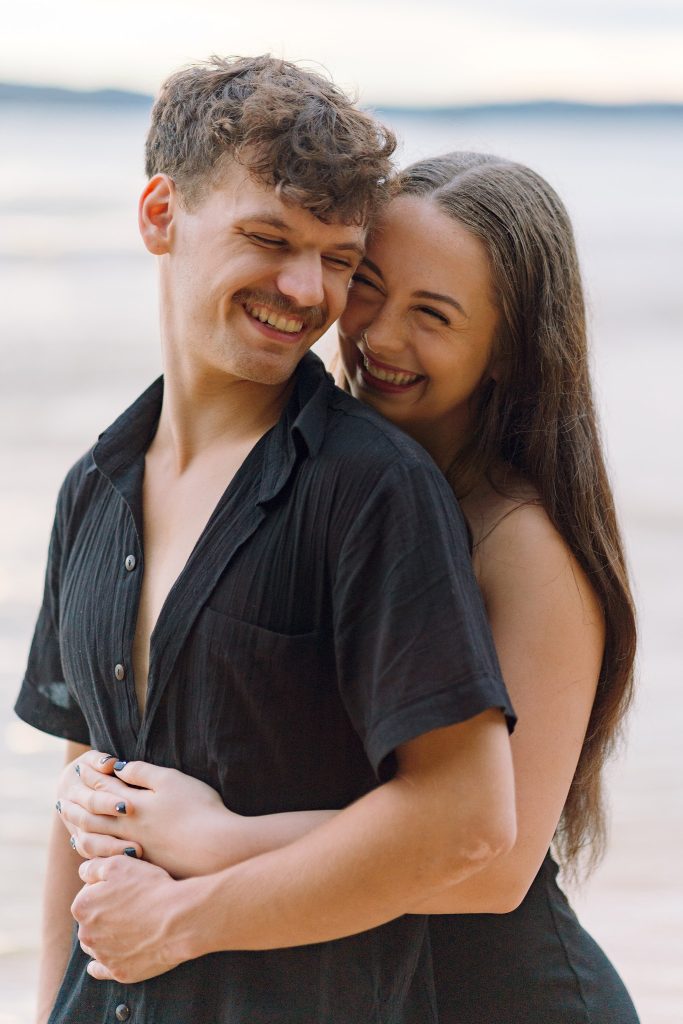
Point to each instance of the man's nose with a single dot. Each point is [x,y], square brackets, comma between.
[301,280]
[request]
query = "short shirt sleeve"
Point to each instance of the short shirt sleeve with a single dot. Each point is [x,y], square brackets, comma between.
[44,699]
[413,645]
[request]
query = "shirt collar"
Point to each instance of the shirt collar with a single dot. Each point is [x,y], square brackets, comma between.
[131,434]
[299,431]
[301,428]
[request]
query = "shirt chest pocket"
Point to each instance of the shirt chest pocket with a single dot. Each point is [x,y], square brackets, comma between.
[254,666]
[257,704]
[258,715]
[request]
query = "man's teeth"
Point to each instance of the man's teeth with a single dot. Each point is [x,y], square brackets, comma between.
[400,377]
[288,324]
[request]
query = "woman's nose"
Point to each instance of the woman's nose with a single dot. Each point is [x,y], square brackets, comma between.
[384,336]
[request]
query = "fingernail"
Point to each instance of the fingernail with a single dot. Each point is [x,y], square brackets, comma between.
[58,805]
[77,769]
[130,851]
[107,757]
[120,765]
[72,842]
[120,808]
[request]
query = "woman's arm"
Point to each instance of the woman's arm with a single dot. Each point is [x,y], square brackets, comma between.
[170,819]
[62,883]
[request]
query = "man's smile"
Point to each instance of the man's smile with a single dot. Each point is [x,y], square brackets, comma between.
[274,318]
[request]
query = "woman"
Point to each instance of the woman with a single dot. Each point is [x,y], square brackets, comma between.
[466,326]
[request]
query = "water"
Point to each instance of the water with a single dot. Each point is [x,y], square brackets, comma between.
[78,341]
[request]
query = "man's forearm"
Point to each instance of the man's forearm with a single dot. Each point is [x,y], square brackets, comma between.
[449,811]
[61,885]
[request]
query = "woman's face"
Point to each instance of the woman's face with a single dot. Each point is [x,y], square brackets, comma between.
[417,333]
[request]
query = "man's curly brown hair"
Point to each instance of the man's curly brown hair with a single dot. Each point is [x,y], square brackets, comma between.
[292,128]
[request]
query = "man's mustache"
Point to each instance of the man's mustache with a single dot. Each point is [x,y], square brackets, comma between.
[312,316]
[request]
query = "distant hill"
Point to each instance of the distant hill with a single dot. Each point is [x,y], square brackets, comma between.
[12,93]
[534,108]
[40,94]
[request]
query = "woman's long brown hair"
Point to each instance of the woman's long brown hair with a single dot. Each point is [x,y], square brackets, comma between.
[539,417]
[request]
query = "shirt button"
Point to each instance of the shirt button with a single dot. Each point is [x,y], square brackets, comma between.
[120,673]
[130,562]
[122,1012]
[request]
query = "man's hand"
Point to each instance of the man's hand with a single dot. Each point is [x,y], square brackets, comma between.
[125,912]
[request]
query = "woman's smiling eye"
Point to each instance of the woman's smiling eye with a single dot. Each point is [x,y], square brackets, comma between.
[435,314]
[362,279]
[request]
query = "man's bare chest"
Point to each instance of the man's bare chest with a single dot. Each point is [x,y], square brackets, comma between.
[175,515]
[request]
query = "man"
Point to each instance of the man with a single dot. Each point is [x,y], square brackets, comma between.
[306,632]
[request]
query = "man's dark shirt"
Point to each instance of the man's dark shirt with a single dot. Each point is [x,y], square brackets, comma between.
[327,614]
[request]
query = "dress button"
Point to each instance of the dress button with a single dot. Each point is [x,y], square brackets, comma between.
[122,1012]
[119,672]
[130,562]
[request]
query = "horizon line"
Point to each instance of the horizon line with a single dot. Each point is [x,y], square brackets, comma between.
[22,91]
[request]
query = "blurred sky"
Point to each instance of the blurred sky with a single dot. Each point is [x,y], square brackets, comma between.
[400,52]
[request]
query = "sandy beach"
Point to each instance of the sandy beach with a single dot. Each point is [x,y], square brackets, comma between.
[79,343]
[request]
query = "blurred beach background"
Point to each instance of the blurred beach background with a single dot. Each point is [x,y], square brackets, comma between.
[79,340]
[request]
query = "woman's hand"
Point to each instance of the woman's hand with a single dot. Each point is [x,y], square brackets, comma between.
[169,819]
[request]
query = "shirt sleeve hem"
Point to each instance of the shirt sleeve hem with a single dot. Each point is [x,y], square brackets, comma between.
[449,706]
[32,708]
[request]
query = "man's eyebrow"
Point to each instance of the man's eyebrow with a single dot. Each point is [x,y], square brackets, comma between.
[351,247]
[282,225]
[272,221]
[441,298]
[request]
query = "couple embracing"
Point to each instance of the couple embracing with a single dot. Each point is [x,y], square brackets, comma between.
[286,620]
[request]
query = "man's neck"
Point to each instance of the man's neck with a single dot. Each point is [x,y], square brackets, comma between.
[204,410]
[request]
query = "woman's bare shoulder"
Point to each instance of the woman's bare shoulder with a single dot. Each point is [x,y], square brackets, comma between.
[518,551]
[494,512]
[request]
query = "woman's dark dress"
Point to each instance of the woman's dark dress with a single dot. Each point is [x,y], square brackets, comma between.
[535,965]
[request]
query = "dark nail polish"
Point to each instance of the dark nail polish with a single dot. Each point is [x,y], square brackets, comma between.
[77,769]
[58,805]
[72,843]
[120,765]
[107,757]
[130,852]
[120,808]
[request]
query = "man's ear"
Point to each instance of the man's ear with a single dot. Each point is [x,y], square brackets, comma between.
[155,213]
